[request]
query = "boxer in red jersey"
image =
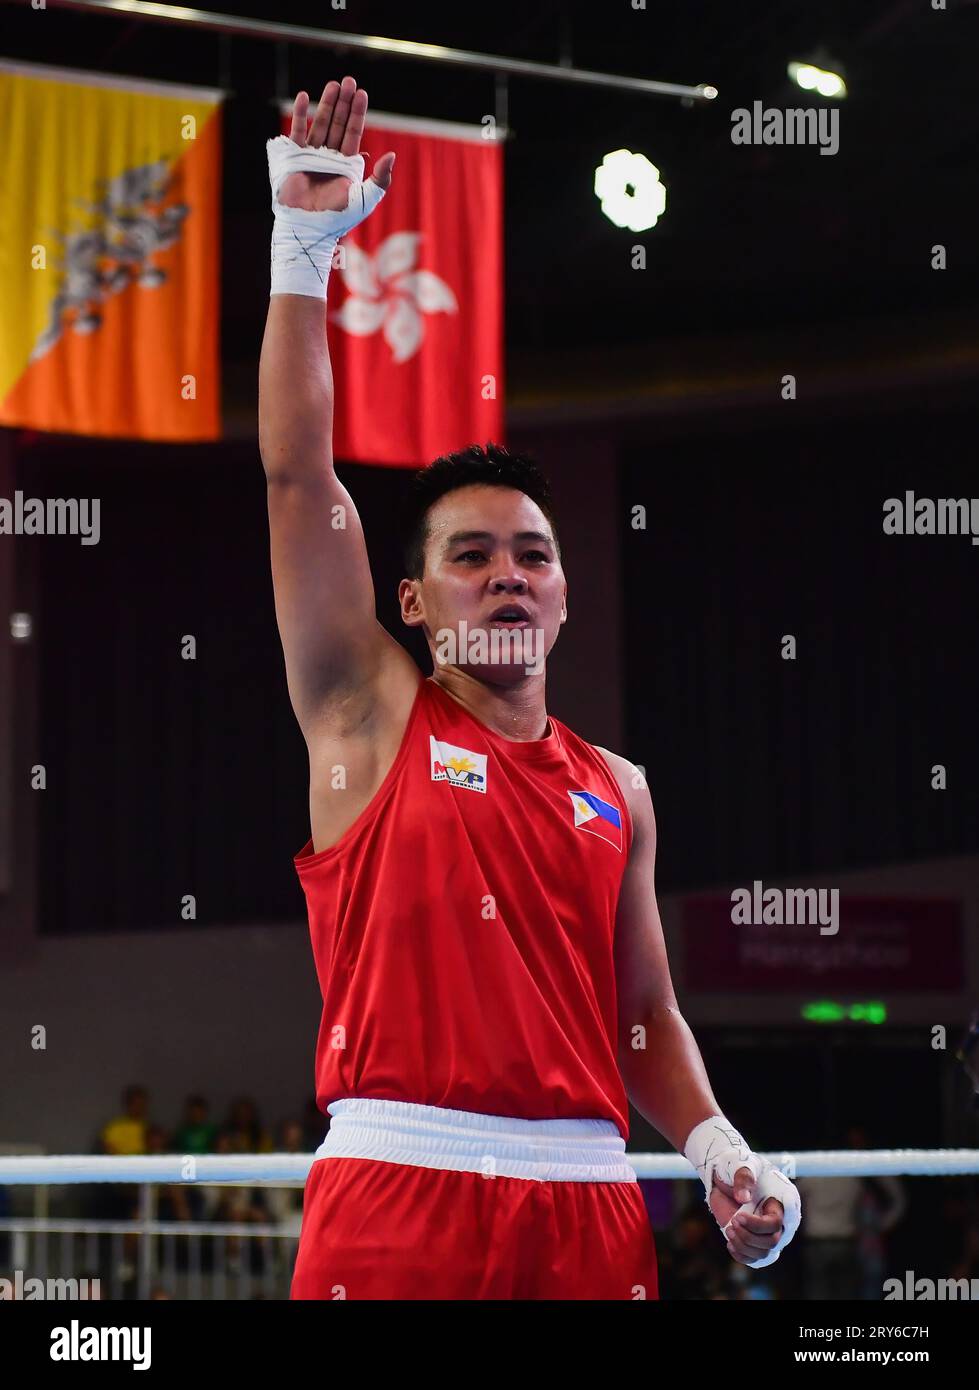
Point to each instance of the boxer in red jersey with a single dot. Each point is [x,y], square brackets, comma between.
[479,879]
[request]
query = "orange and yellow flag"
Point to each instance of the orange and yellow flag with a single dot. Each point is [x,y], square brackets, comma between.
[109,255]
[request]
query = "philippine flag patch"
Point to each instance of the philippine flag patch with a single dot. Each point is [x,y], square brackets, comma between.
[598,817]
[458,766]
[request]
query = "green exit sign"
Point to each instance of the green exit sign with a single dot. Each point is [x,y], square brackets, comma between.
[828,1011]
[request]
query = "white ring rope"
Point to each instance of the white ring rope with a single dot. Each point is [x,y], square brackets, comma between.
[272,1168]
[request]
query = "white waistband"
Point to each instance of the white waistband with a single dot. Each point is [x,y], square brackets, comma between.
[429,1136]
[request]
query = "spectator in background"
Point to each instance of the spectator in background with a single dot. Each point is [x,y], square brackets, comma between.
[699,1264]
[747,1285]
[126,1134]
[123,1137]
[196,1135]
[315,1126]
[244,1132]
[156,1140]
[285,1204]
[966,1265]
[843,1226]
[173,1199]
[5,1239]
[240,1206]
[829,1231]
[958,1215]
[880,1206]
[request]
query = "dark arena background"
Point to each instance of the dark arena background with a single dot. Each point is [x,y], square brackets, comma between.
[759,419]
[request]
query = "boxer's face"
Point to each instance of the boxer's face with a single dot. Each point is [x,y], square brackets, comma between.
[492,596]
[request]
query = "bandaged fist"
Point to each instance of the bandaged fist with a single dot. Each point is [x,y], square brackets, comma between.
[757,1208]
[752,1229]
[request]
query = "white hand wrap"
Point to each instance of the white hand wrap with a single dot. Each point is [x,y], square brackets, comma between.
[716,1149]
[303,242]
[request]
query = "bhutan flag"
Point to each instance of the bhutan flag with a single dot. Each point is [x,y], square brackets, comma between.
[109,255]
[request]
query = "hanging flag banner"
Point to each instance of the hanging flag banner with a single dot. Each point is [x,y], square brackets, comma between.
[109,255]
[415,301]
[881,946]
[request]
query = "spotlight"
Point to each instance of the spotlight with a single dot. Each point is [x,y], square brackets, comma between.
[21,627]
[629,189]
[816,79]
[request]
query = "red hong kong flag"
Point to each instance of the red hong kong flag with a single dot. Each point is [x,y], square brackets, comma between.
[415,303]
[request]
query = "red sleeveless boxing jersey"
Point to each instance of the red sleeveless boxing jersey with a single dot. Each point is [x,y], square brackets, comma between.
[462,927]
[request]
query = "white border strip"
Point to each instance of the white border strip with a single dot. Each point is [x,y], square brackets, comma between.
[420,125]
[104,79]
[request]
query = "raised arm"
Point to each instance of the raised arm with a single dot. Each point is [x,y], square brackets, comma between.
[324,595]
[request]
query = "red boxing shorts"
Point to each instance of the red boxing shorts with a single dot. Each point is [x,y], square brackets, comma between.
[416,1201]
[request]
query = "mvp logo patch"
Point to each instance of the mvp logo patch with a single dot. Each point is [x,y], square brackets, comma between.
[457,766]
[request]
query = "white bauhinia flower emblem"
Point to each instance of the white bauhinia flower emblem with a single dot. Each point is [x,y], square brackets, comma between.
[386,291]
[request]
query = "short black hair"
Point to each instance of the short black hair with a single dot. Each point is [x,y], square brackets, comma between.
[492,466]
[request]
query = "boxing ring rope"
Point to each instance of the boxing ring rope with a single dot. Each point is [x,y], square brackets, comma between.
[144,1251]
[254,1169]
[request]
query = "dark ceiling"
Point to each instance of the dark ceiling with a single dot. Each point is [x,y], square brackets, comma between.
[757,242]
